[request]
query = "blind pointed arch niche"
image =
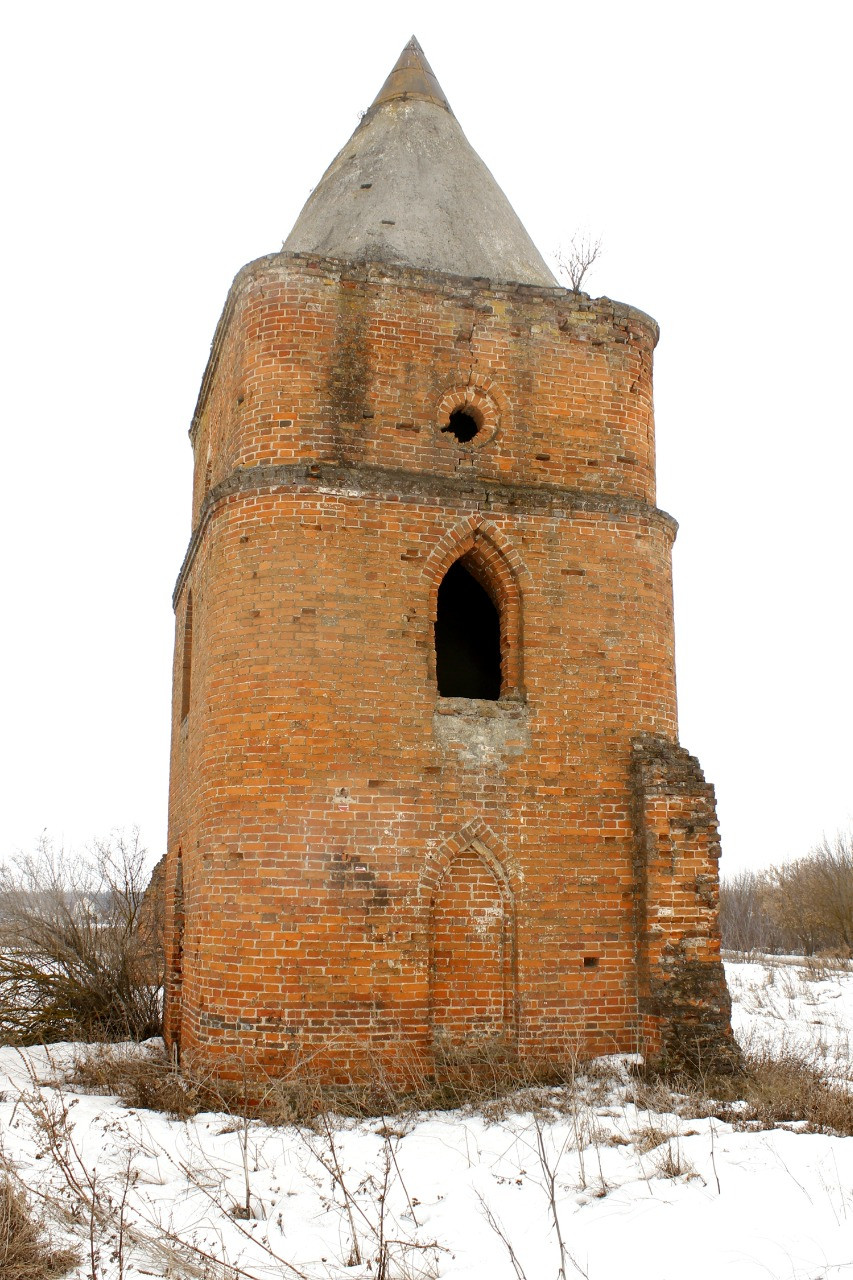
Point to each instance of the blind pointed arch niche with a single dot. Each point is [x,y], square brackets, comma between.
[472,964]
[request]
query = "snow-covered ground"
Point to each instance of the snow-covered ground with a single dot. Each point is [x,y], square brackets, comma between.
[795,1006]
[632,1193]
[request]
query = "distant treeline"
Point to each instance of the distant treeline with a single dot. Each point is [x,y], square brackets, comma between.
[803,908]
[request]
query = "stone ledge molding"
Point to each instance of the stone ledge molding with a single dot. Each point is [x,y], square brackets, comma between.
[387,484]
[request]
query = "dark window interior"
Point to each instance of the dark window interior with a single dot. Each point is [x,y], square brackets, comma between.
[464,426]
[186,673]
[467,638]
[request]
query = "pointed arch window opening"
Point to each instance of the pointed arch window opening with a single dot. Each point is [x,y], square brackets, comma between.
[470,638]
[187,667]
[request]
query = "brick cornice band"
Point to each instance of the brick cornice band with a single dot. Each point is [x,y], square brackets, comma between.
[392,485]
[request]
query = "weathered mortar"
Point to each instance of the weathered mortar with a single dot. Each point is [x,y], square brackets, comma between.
[682,985]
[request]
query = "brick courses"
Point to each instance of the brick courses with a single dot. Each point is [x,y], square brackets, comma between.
[360,869]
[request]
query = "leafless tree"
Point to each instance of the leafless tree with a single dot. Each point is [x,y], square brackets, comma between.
[745,919]
[828,870]
[575,262]
[796,909]
[804,906]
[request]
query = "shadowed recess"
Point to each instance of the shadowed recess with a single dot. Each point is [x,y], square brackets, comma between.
[467,638]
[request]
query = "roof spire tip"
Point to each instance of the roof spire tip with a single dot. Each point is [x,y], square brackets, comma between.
[402,189]
[411,77]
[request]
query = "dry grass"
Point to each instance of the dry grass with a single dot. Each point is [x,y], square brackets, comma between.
[786,1089]
[486,1079]
[669,1161]
[769,1091]
[146,1078]
[647,1138]
[25,1252]
[821,968]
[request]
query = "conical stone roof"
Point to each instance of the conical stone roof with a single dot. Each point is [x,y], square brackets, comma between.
[408,188]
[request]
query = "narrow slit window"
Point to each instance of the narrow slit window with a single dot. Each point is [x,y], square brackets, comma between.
[467,638]
[187,670]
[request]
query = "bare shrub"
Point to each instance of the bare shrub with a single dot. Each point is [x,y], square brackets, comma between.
[25,1251]
[548,1155]
[81,952]
[575,262]
[814,898]
[798,914]
[93,1201]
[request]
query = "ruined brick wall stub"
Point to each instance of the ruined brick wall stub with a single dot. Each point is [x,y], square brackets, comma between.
[682,987]
[318,777]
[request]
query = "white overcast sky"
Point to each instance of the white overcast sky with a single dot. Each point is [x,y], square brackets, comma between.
[151,150]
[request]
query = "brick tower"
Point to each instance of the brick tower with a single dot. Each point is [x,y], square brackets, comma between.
[426,789]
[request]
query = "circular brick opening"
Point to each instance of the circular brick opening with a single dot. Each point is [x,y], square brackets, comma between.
[468,416]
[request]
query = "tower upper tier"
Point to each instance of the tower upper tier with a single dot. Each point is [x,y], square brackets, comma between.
[408,188]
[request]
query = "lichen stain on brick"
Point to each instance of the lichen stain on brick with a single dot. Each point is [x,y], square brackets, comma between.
[349,376]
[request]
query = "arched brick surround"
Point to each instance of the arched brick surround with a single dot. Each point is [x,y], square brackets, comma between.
[484,400]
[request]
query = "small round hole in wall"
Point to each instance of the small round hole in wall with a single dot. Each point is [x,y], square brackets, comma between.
[468,415]
[464,424]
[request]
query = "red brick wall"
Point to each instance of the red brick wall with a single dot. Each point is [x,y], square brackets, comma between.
[310,367]
[348,836]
